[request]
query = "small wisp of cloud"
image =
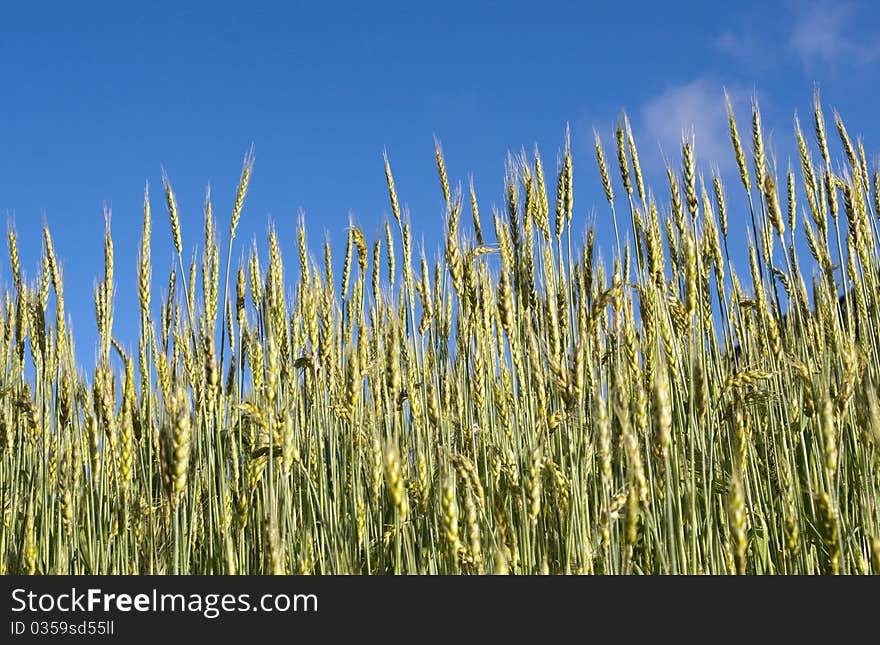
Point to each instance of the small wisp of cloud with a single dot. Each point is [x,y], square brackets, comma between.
[696,107]
[823,36]
[826,33]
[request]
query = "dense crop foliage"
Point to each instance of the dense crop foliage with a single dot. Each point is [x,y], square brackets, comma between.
[516,406]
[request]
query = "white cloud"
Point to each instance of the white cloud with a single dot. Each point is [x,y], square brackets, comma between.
[826,33]
[698,107]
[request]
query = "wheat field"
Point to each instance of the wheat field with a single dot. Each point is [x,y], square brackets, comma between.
[514,406]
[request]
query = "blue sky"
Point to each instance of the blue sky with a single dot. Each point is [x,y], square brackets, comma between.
[97,98]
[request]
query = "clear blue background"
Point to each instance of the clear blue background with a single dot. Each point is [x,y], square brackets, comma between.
[97,96]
